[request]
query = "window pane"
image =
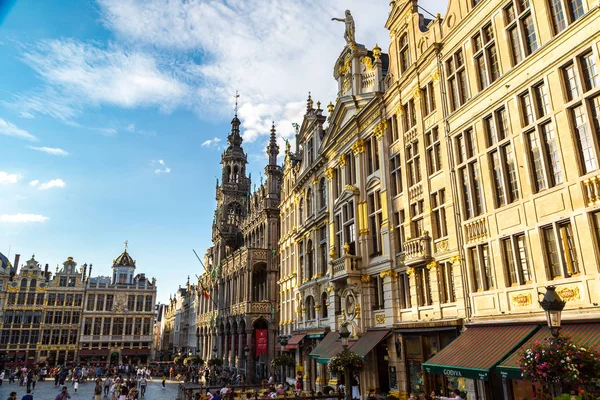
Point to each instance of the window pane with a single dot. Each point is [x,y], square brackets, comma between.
[568,248]
[511,273]
[511,171]
[498,182]
[476,269]
[530,36]
[526,109]
[571,82]
[487,267]
[575,9]
[551,253]
[553,154]
[523,259]
[536,162]
[586,145]
[590,72]
[543,103]
[515,45]
[558,16]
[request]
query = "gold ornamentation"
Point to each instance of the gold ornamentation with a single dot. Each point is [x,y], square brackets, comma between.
[416,93]
[342,160]
[568,293]
[329,288]
[392,34]
[332,252]
[432,265]
[12,288]
[346,247]
[380,319]
[521,299]
[408,16]
[435,75]
[329,173]
[400,110]
[315,180]
[358,147]
[376,51]
[347,84]
[351,188]
[366,61]
[380,129]
[357,310]
[385,274]
[455,259]
[410,271]
[365,278]
[330,107]
[442,245]
[317,308]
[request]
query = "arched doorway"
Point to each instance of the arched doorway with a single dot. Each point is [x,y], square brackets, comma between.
[260,350]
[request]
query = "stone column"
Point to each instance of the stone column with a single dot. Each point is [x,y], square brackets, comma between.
[250,360]
[226,337]
[240,349]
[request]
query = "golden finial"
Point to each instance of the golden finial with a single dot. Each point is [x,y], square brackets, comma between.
[376,52]
[330,107]
[318,105]
[126,244]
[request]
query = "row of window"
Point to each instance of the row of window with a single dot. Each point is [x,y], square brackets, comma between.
[62,317]
[19,336]
[103,302]
[117,326]
[22,317]
[64,300]
[22,298]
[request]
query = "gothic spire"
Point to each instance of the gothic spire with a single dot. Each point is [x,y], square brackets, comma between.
[273,147]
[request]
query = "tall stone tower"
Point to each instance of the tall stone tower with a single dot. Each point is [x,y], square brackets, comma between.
[231,195]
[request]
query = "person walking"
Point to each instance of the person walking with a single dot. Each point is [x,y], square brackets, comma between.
[143,383]
[76,385]
[1,377]
[107,384]
[63,395]
[12,396]
[98,391]
[164,381]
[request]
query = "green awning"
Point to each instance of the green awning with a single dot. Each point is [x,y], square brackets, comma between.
[327,341]
[581,334]
[330,346]
[474,353]
[367,341]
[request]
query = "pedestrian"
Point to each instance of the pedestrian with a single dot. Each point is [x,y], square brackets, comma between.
[63,395]
[107,384]
[455,395]
[164,381]
[28,396]
[97,391]
[1,377]
[12,396]
[76,385]
[356,386]
[36,377]
[143,383]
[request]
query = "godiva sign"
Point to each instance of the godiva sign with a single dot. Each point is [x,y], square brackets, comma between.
[456,372]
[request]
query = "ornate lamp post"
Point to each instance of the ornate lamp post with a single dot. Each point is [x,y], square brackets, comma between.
[344,335]
[246,355]
[553,305]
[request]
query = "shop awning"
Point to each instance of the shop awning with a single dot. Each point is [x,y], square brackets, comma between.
[478,350]
[368,341]
[581,334]
[294,341]
[328,347]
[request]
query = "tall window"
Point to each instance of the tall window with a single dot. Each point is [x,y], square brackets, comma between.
[337,183]
[516,260]
[580,77]
[486,58]
[378,294]
[392,129]
[565,12]
[559,246]
[310,308]
[416,219]
[349,229]
[399,233]
[309,151]
[404,53]
[438,199]
[322,193]
[423,281]
[457,80]
[323,250]
[520,30]
[90,302]
[446,279]
[350,169]
[338,225]
[324,308]
[309,203]
[502,158]
[396,175]
[409,116]
[434,153]
[375,222]
[541,141]
[481,267]
[428,99]
[413,167]
[372,155]
[468,174]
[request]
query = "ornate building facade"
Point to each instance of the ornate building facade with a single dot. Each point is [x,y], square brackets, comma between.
[118,316]
[461,180]
[238,298]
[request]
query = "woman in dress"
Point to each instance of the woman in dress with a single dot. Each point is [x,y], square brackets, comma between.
[356,386]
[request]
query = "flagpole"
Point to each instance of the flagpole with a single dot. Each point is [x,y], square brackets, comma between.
[201,285]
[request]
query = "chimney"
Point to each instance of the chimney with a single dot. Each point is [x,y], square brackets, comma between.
[46,273]
[84,272]
[16,263]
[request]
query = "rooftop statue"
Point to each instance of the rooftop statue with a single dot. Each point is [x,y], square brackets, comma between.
[349,33]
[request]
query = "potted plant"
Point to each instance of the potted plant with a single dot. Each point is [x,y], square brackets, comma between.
[345,360]
[283,360]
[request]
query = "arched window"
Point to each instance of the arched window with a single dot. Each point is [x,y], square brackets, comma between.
[227,174]
[404,53]
[324,312]
[234,214]
[236,174]
[23,284]
[33,283]
[310,308]
[301,211]
[310,268]
[309,203]
[323,193]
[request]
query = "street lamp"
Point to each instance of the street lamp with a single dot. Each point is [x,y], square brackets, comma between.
[553,305]
[344,335]
[215,351]
[283,340]
[246,355]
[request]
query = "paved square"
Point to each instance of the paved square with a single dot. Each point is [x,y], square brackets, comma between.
[47,391]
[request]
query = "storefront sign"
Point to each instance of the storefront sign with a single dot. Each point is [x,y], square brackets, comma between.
[315,335]
[456,372]
[262,341]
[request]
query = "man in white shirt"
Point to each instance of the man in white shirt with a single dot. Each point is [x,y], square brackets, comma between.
[455,396]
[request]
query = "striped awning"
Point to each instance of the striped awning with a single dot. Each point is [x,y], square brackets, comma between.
[294,341]
[368,341]
[474,353]
[582,334]
[330,346]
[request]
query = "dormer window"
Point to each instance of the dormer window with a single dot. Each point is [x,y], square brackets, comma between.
[309,151]
[404,53]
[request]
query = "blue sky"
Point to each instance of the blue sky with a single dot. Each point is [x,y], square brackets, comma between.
[113,115]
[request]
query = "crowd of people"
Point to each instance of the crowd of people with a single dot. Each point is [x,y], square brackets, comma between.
[121,382]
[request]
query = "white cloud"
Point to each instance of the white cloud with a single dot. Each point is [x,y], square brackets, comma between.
[6,178]
[22,218]
[34,182]
[161,170]
[79,73]
[9,129]
[55,151]
[214,141]
[59,183]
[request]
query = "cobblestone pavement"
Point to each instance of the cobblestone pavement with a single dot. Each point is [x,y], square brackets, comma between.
[47,391]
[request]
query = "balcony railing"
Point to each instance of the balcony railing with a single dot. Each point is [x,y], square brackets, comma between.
[592,190]
[417,250]
[345,266]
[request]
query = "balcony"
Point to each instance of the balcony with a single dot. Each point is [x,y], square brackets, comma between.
[417,250]
[592,190]
[345,267]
